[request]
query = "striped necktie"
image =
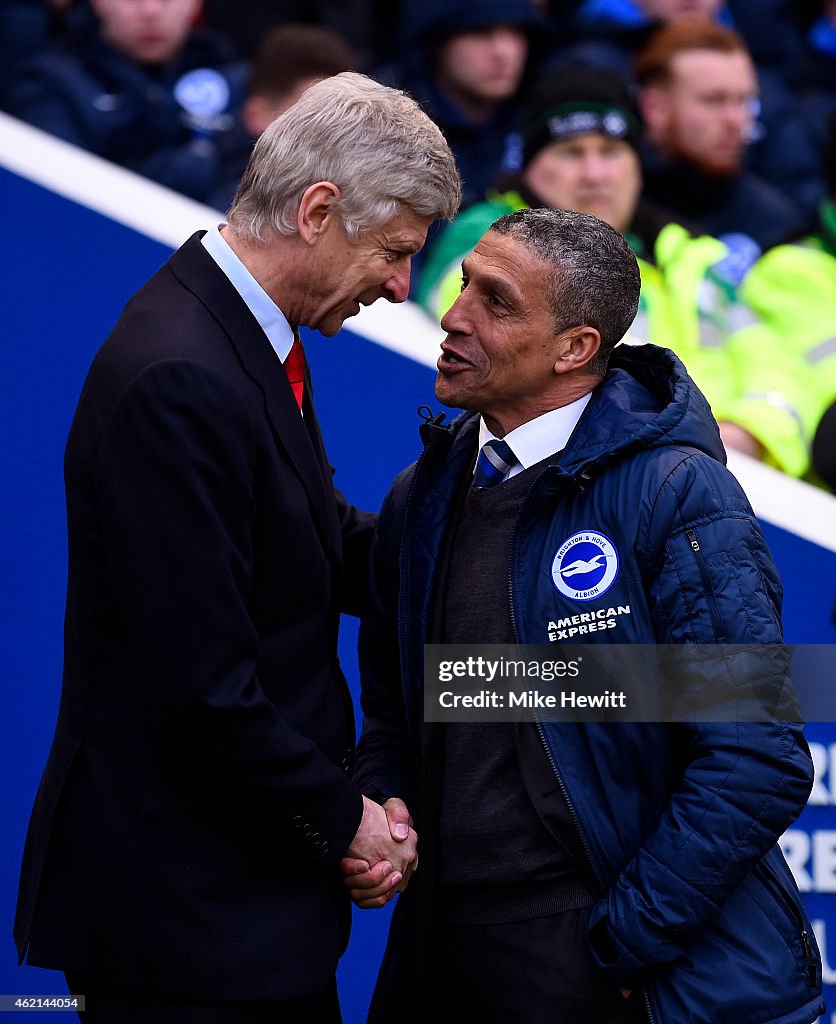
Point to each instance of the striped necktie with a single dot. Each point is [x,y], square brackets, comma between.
[495,460]
[294,367]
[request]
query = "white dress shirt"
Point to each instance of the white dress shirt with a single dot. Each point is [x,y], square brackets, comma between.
[271,319]
[541,437]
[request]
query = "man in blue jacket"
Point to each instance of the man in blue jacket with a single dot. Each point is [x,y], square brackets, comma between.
[577,872]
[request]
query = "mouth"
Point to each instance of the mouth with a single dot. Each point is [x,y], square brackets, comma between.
[450,361]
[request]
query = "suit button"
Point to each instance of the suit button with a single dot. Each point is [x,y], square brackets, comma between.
[325,847]
[307,831]
[315,837]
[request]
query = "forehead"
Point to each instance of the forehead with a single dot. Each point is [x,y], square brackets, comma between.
[511,266]
[587,141]
[674,8]
[698,70]
[484,34]
[407,228]
[125,10]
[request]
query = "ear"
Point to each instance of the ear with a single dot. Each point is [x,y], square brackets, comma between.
[653,104]
[316,210]
[578,347]
[255,113]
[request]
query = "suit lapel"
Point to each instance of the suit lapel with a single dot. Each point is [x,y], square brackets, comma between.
[198,272]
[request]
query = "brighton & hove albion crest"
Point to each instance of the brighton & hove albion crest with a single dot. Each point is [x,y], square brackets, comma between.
[585,566]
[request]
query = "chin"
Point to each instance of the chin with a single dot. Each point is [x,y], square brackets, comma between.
[448,397]
[716,168]
[441,392]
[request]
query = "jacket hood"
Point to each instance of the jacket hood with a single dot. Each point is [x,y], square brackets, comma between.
[646,400]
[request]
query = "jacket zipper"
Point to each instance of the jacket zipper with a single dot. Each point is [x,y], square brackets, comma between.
[586,848]
[516,639]
[773,885]
[552,763]
[716,618]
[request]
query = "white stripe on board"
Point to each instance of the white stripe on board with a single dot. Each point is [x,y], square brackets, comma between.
[783,501]
[170,218]
[128,198]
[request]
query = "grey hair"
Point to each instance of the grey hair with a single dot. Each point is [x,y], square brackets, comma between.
[373,142]
[595,278]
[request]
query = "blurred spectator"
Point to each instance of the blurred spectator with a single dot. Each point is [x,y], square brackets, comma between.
[578,149]
[291,58]
[141,87]
[465,63]
[824,449]
[24,31]
[773,30]
[248,23]
[780,148]
[793,290]
[815,80]
[609,33]
[698,94]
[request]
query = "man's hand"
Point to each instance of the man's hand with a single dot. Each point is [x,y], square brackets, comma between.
[371,881]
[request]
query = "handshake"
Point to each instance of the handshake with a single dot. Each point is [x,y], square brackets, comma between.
[382,855]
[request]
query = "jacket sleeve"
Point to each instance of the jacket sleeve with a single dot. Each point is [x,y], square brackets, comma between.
[742,783]
[180,449]
[385,753]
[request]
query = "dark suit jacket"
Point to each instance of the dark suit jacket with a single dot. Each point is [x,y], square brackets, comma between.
[196,801]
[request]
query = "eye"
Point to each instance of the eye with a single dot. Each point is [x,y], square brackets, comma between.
[463,284]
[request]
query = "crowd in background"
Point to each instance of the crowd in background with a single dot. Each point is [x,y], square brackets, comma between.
[705,132]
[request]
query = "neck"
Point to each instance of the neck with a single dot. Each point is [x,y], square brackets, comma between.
[475,108]
[500,423]
[279,265]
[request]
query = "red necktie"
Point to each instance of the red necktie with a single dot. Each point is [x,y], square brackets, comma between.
[294,367]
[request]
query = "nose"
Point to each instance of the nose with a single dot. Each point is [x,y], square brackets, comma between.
[454,320]
[506,41]
[397,286]
[593,168]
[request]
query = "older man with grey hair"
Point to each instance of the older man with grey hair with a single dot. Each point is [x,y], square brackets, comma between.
[181,862]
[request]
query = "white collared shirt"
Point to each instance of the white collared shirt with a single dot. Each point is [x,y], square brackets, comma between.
[541,437]
[271,319]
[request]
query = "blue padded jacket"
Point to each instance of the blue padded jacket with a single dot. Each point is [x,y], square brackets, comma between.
[679,820]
